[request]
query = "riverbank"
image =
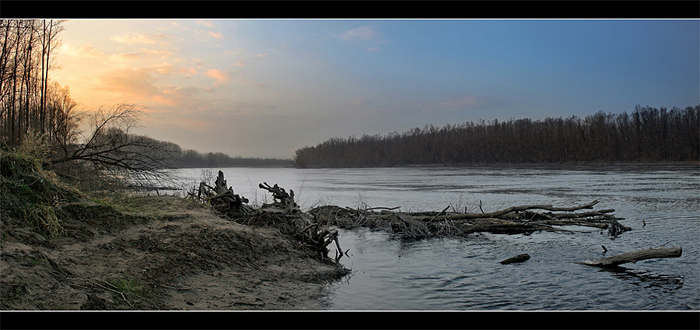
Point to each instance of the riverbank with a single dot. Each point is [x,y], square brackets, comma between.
[67,250]
[164,253]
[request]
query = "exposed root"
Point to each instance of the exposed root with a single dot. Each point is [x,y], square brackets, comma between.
[311,232]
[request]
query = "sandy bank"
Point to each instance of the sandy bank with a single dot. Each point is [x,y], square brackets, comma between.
[157,253]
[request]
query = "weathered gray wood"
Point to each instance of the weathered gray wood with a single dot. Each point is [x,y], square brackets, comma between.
[221,197]
[220,184]
[634,256]
[283,200]
[521,208]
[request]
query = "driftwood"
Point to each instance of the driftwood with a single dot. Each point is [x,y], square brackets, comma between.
[283,201]
[283,214]
[222,197]
[512,220]
[519,258]
[634,256]
[306,228]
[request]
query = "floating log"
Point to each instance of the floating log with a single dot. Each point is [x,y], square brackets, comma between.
[519,258]
[634,256]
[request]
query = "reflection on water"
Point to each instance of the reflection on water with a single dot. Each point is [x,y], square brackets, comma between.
[661,204]
[646,280]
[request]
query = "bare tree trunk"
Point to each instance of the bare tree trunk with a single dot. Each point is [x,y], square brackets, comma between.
[42,101]
[634,256]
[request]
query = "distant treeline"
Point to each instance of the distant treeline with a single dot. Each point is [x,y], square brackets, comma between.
[646,135]
[173,156]
[192,158]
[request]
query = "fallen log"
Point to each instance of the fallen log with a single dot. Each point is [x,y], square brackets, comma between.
[519,258]
[634,256]
[518,211]
[513,220]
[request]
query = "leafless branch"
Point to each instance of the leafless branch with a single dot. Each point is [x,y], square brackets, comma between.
[110,148]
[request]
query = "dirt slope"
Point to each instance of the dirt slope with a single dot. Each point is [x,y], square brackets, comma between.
[176,255]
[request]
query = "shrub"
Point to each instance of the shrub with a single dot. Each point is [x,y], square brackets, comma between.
[28,192]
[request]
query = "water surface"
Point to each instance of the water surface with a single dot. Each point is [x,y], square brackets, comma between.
[660,203]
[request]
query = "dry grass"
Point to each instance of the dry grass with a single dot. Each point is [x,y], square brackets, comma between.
[29,192]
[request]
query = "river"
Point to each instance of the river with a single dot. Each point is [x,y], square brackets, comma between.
[660,203]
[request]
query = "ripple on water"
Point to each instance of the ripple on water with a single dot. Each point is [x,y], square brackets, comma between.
[465,274]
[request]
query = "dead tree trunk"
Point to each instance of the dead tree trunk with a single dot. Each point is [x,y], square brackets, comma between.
[634,256]
[221,197]
[283,201]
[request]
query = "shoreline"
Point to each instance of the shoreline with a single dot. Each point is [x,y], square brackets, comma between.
[157,253]
[545,165]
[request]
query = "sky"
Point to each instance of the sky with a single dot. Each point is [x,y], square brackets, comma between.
[267,87]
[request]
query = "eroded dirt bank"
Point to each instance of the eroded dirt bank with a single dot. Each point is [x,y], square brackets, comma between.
[159,253]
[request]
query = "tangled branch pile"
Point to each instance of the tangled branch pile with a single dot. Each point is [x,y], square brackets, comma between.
[314,229]
[512,220]
[284,213]
[221,197]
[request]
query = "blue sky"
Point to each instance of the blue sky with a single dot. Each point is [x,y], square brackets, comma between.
[273,86]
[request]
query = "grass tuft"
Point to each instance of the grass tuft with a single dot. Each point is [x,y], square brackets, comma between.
[30,193]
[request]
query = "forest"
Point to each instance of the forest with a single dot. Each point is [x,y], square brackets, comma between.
[645,135]
[29,100]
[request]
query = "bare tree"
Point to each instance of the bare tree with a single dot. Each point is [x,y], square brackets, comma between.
[49,42]
[63,118]
[25,62]
[110,147]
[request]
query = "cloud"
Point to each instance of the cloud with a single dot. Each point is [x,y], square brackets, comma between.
[261,55]
[175,95]
[218,75]
[139,39]
[188,72]
[206,23]
[163,68]
[128,82]
[84,51]
[216,35]
[361,33]
[134,82]
[144,54]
